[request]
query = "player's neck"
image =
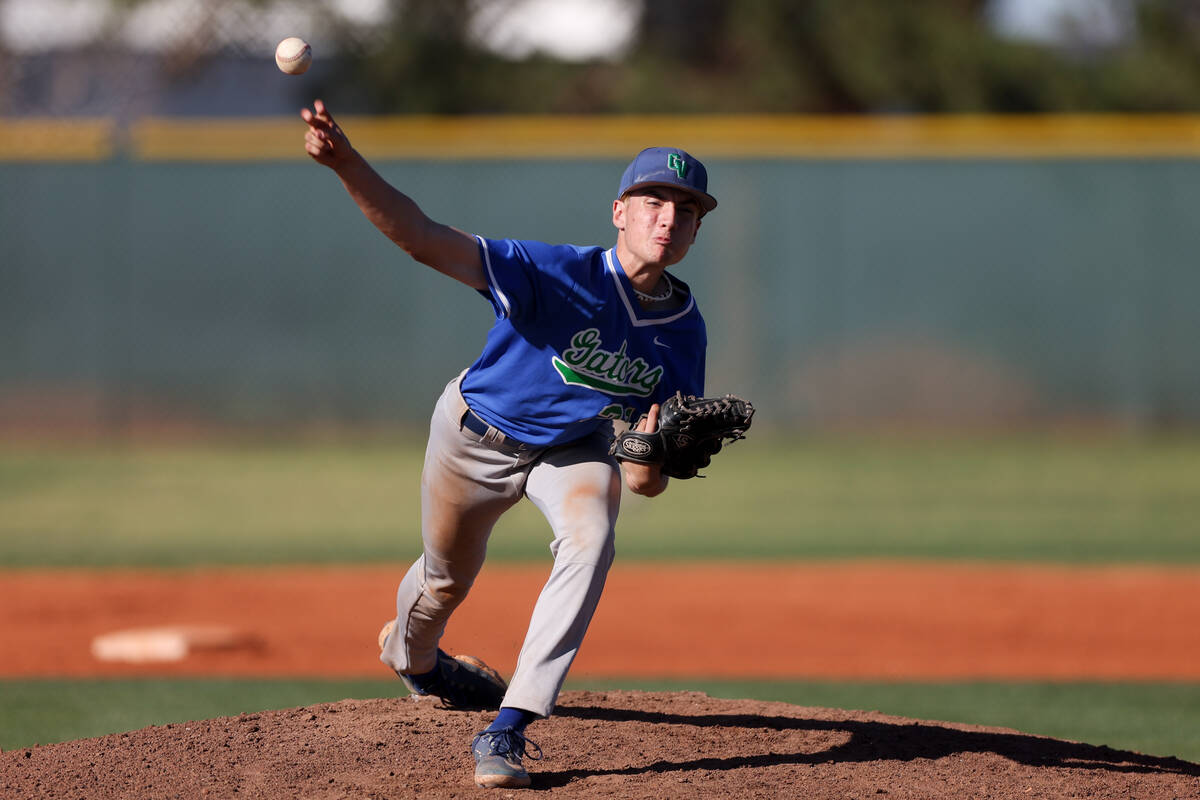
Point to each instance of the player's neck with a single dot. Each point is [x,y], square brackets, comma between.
[647,277]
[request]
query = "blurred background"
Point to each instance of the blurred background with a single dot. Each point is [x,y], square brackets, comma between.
[953,266]
[962,213]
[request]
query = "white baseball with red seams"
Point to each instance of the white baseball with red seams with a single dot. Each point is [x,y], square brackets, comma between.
[293,55]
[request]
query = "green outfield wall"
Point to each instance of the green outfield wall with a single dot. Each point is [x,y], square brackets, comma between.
[963,272]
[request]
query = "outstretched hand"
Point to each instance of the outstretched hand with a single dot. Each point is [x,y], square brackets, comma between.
[324,141]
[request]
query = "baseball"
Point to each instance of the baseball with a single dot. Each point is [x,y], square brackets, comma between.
[293,55]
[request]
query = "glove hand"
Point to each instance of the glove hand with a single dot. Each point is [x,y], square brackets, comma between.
[642,478]
[685,433]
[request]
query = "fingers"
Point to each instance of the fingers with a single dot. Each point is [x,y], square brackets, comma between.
[318,117]
[322,130]
[649,422]
[315,144]
[316,140]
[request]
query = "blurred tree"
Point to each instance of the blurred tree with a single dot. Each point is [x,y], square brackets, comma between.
[1160,69]
[809,56]
[427,61]
[799,56]
[859,56]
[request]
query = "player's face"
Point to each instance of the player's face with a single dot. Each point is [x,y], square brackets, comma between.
[657,224]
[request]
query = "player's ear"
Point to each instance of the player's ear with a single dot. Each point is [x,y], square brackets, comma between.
[618,217]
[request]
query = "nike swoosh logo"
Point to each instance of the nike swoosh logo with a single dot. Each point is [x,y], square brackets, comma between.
[661,343]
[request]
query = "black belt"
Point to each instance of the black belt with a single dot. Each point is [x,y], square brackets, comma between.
[477,426]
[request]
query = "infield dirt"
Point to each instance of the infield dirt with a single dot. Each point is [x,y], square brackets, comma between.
[835,620]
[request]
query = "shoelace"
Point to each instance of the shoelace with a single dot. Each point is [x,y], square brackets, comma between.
[510,741]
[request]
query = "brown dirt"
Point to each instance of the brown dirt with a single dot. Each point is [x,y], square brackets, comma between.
[844,619]
[862,620]
[620,744]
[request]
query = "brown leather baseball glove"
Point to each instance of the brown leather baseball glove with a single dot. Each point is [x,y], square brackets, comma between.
[691,430]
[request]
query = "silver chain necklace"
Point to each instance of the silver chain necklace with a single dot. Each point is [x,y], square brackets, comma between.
[656,298]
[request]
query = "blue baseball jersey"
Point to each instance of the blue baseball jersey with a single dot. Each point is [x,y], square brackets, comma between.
[572,349]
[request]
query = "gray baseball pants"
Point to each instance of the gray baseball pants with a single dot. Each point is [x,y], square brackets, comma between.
[467,483]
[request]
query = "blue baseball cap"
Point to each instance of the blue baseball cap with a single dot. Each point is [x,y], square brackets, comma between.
[668,166]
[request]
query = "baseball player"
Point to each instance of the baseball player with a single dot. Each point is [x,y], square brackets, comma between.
[587,341]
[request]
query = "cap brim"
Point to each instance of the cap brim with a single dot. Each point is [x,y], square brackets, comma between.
[707,201]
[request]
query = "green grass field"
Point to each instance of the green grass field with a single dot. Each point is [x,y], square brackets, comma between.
[1063,500]
[1060,499]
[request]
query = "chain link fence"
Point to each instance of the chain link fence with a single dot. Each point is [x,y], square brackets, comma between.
[121,59]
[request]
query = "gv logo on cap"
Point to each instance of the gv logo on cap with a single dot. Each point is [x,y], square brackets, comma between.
[674,162]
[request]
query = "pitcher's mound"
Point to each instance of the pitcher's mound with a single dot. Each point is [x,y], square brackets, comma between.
[598,744]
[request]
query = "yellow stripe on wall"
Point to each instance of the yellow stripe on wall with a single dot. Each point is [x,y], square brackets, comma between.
[192,139]
[30,139]
[566,137]
[710,136]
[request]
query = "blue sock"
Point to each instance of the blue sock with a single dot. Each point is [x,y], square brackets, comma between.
[516,718]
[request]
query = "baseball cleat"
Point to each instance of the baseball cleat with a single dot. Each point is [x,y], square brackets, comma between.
[463,683]
[498,757]
[385,632]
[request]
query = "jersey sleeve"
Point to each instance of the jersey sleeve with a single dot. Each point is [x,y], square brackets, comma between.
[511,276]
[526,278]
